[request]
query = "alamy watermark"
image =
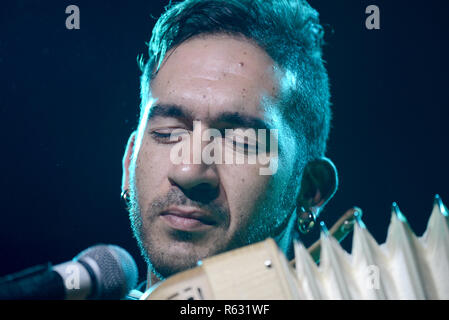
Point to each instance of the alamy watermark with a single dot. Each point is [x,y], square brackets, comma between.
[238,146]
[372,277]
[73,20]
[373,20]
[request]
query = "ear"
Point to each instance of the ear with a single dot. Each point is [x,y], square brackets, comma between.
[318,185]
[127,161]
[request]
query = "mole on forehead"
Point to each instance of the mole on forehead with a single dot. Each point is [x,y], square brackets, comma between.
[204,82]
[220,53]
[228,74]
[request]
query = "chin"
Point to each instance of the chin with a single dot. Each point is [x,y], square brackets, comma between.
[176,257]
[169,265]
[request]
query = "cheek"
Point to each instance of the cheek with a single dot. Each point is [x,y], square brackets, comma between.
[245,188]
[149,173]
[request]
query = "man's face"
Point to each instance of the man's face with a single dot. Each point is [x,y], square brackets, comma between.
[186,212]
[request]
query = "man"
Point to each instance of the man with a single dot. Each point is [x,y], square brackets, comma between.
[227,65]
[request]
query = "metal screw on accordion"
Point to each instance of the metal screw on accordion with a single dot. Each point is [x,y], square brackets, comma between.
[268,263]
[306,221]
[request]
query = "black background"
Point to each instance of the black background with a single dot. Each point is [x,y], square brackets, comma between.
[69,99]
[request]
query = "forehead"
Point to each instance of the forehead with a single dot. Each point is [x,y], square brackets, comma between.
[216,73]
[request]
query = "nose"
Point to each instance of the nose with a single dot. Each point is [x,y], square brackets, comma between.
[199,182]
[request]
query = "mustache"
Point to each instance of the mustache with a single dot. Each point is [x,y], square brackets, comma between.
[176,197]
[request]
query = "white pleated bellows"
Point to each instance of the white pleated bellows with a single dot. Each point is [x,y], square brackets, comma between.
[404,267]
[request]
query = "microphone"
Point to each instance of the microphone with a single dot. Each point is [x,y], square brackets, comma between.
[101,272]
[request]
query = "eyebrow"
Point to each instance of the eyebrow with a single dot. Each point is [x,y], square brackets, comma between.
[169,111]
[234,119]
[237,119]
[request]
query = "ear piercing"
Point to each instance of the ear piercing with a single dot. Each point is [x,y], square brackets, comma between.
[306,220]
[125,196]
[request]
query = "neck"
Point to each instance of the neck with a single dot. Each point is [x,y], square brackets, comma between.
[152,279]
[285,238]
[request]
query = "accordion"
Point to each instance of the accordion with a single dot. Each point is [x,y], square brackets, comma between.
[404,267]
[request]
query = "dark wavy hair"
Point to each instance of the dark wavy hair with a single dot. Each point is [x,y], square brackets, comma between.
[288,30]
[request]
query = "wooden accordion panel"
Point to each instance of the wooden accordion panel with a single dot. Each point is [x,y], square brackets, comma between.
[404,267]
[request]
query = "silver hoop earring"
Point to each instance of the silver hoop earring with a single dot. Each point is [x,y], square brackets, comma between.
[306,220]
[125,196]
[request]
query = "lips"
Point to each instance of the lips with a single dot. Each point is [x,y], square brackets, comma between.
[187,219]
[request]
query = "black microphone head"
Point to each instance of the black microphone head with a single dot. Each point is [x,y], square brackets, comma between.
[113,270]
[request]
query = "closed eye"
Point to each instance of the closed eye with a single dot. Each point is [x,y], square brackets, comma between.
[168,135]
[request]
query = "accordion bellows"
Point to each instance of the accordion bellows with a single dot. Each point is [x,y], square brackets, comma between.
[404,267]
